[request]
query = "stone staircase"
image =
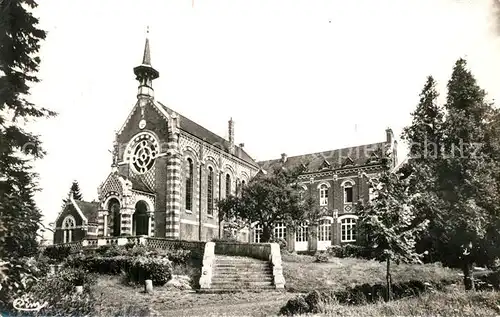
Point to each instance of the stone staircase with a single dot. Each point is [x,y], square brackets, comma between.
[236,273]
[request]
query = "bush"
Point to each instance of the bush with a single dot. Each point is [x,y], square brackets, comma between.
[321,257]
[57,253]
[20,275]
[350,251]
[141,268]
[357,295]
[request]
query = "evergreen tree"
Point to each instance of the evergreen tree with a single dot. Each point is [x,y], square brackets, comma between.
[19,216]
[75,191]
[466,175]
[424,138]
[390,223]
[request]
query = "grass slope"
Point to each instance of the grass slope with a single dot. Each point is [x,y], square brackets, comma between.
[454,303]
[302,274]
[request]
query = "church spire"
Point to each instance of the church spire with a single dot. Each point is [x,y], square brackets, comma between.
[145,74]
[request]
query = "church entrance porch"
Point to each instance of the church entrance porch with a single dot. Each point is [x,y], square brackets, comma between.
[140,220]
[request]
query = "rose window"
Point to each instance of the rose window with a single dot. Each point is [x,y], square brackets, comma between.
[143,153]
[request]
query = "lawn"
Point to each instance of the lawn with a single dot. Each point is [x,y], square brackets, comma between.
[121,300]
[302,274]
[453,303]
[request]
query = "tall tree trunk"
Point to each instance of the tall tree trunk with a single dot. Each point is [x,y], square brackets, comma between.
[266,234]
[389,279]
[468,278]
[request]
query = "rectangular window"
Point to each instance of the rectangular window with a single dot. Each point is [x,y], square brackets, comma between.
[348,230]
[280,231]
[301,233]
[324,230]
[257,234]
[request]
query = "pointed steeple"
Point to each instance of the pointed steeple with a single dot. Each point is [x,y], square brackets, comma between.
[145,74]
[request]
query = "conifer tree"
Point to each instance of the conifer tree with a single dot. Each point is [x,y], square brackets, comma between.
[466,175]
[75,191]
[424,139]
[19,217]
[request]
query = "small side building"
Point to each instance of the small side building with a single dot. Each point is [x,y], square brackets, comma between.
[76,221]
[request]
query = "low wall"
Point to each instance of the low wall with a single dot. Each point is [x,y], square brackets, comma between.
[261,251]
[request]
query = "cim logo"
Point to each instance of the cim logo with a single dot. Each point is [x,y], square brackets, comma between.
[26,303]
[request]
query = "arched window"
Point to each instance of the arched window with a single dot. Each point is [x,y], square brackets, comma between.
[324,230]
[257,233]
[302,232]
[348,195]
[228,185]
[68,226]
[348,230]
[323,195]
[189,185]
[280,231]
[210,191]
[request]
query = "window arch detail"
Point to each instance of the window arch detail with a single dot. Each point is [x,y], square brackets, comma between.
[323,195]
[68,226]
[348,191]
[210,191]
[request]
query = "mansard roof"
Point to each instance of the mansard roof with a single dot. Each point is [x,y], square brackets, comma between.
[359,155]
[200,132]
[89,209]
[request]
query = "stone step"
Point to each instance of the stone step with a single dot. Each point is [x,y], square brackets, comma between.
[250,274]
[235,290]
[242,269]
[219,278]
[249,265]
[236,285]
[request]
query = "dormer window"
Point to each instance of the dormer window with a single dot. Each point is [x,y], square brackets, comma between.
[347,162]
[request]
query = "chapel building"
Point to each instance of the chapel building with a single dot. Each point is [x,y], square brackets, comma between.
[168,172]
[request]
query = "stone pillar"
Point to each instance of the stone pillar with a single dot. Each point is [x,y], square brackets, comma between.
[335,231]
[312,239]
[172,230]
[105,223]
[126,221]
[150,216]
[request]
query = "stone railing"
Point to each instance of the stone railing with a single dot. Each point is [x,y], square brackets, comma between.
[259,251]
[208,262]
[162,243]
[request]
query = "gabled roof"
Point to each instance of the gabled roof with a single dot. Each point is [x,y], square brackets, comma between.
[89,209]
[200,132]
[359,155]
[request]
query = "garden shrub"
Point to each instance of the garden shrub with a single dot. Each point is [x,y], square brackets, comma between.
[357,295]
[321,257]
[350,251]
[141,268]
[57,253]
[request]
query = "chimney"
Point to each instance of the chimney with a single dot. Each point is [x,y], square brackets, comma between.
[389,135]
[231,135]
[283,157]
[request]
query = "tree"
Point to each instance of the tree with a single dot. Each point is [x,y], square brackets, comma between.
[19,216]
[268,200]
[75,191]
[390,222]
[467,176]
[424,138]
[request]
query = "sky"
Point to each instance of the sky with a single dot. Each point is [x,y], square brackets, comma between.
[296,76]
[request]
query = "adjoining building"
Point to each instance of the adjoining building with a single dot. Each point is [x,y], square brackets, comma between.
[168,172]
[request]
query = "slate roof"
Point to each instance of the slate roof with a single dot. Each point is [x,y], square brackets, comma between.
[89,210]
[139,185]
[334,159]
[200,132]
